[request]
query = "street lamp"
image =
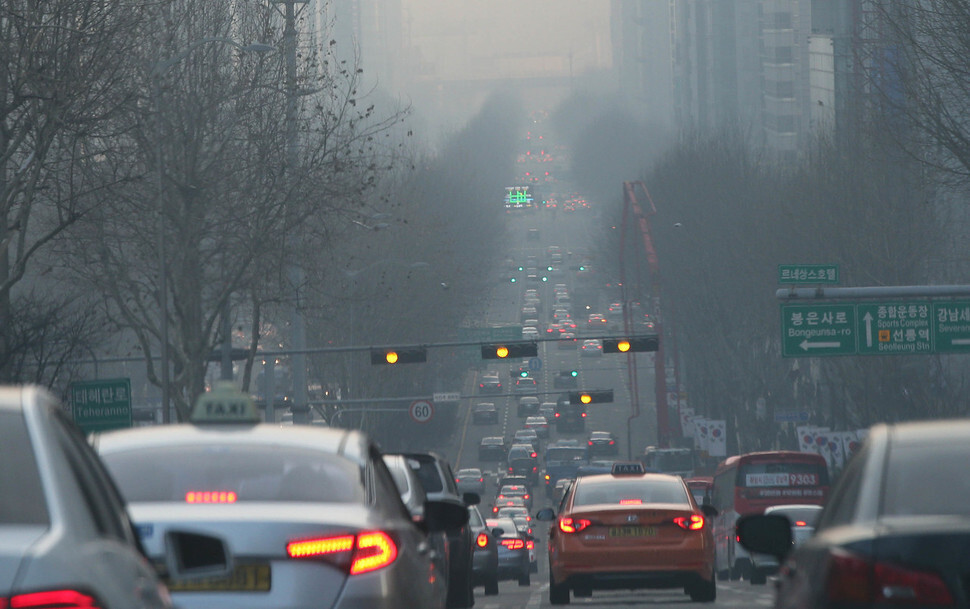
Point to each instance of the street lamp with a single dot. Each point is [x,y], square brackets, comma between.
[159,70]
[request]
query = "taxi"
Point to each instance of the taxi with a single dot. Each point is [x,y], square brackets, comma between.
[310,516]
[628,529]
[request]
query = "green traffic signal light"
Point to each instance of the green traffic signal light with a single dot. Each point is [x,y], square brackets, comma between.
[512,279]
[574,373]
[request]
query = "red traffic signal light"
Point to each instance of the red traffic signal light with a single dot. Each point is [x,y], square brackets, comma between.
[405,355]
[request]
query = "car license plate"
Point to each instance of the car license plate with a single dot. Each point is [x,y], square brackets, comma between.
[244,578]
[633,531]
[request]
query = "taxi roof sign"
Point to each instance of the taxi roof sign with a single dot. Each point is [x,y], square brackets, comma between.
[627,468]
[226,404]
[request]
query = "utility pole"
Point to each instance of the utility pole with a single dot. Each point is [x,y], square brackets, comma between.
[295,274]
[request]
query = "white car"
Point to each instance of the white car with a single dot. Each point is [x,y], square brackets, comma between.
[310,515]
[65,537]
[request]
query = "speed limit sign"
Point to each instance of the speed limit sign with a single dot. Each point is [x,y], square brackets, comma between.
[421,411]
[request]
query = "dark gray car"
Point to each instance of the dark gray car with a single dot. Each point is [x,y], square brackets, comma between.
[894,530]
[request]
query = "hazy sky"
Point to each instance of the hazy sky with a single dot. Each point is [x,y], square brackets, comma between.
[500,38]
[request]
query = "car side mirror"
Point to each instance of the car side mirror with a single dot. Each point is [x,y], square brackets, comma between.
[194,555]
[765,534]
[545,514]
[471,498]
[444,515]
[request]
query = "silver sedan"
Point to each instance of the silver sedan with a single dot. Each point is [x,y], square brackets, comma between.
[311,516]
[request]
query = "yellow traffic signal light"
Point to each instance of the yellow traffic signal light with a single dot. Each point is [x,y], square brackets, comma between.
[509,350]
[409,355]
[633,343]
[592,396]
[585,398]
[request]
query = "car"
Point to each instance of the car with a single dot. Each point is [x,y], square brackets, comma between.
[513,552]
[529,312]
[470,480]
[802,518]
[507,479]
[567,340]
[596,322]
[527,436]
[415,500]
[503,502]
[701,487]
[315,507]
[629,529]
[530,323]
[515,490]
[591,348]
[893,531]
[528,406]
[539,424]
[514,511]
[485,557]
[67,537]
[555,329]
[530,332]
[523,460]
[484,413]
[566,379]
[602,443]
[492,448]
[524,526]
[547,409]
[490,383]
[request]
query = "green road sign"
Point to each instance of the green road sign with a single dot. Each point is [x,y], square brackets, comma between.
[790,274]
[951,326]
[101,405]
[814,330]
[894,328]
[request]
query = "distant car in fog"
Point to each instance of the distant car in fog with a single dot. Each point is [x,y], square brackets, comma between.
[484,413]
[492,448]
[470,480]
[591,348]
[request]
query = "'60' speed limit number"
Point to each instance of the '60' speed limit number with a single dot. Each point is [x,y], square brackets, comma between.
[421,411]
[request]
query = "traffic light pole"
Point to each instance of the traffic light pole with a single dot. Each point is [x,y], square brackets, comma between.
[631,207]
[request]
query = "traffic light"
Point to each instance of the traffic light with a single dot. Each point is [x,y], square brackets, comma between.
[405,355]
[509,350]
[569,373]
[634,343]
[593,396]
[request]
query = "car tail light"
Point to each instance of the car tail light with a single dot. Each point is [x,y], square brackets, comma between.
[568,525]
[50,599]
[529,544]
[481,479]
[800,523]
[855,579]
[611,442]
[482,540]
[584,415]
[358,553]
[590,442]
[694,522]
[513,544]
[632,502]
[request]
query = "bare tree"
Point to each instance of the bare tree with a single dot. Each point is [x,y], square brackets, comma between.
[63,68]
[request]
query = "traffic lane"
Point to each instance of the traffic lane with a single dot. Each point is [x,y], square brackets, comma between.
[730,595]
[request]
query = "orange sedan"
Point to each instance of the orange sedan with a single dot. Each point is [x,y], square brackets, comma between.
[626,530]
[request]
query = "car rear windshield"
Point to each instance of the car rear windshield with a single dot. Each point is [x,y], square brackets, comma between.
[179,473]
[22,497]
[927,479]
[630,491]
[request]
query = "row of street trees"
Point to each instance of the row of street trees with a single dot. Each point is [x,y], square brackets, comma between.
[144,161]
[882,197]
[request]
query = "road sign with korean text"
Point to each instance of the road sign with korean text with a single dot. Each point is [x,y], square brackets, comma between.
[101,405]
[796,274]
[813,330]
[894,328]
[951,326]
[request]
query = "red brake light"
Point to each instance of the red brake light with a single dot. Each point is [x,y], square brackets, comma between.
[358,553]
[584,415]
[632,502]
[482,540]
[51,599]
[852,578]
[694,522]
[210,497]
[513,544]
[568,525]
[801,523]
[530,545]
[590,442]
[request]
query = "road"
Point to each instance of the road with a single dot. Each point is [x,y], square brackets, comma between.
[609,371]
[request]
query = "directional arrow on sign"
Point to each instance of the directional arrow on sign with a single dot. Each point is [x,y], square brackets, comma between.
[805,345]
[868,319]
